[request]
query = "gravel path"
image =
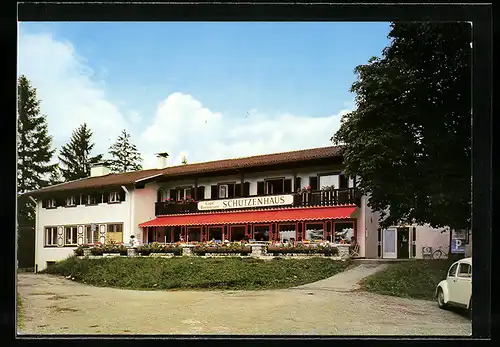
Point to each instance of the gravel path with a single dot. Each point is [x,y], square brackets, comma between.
[54,305]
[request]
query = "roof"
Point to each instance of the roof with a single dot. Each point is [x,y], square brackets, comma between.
[262,216]
[190,169]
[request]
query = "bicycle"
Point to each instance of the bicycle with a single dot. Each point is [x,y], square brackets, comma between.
[439,253]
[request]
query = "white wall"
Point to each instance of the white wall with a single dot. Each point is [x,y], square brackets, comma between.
[102,213]
[430,237]
[143,207]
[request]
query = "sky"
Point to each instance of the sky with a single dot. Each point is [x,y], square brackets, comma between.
[203,90]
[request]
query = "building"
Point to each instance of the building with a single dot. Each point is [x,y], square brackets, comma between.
[300,195]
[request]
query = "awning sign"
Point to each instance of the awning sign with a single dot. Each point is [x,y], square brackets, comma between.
[245,202]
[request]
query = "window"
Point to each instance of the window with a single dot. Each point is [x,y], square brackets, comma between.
[453,270]
[223,191]
[70,201]
[91,199]
[51,236]
[91,234]
[215,233]
[464,270]
[114,197]
[287,232]
[70,236]
[187,193]
[344,231]
[314,232]
[237,233]
[278,186]
[261,232]
[51,203]
[193,234]
[115,232]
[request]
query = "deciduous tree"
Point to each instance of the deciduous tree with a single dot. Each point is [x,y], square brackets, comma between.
[409,138]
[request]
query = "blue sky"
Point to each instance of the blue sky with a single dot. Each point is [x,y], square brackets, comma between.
[158,78]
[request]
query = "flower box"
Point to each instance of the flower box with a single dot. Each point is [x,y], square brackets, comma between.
[111,254]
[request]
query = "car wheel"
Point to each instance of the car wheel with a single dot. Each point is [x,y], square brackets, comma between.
[440,299]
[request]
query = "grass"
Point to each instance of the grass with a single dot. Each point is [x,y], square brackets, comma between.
[20,324]
[416,279]
[194,273]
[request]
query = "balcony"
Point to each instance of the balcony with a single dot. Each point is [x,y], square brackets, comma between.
[333,197]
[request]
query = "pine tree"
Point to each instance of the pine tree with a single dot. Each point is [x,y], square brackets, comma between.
[34,149]
[124,155]
[75,156]
[184,160]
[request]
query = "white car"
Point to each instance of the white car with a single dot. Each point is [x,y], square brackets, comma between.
[456,289]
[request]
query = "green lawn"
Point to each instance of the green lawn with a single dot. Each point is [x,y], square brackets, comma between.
[197,273]
[415,279]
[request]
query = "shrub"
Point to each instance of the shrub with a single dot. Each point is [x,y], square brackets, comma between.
[197,273]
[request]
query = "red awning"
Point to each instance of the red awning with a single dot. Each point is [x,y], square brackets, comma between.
[262,216]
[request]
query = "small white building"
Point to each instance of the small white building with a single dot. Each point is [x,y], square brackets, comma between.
[301,195]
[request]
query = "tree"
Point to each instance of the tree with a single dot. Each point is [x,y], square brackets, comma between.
[409,139]
[124,155]
[184,160]
[75,156]
[34,149]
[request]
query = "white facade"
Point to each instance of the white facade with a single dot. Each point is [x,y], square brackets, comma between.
[101,215]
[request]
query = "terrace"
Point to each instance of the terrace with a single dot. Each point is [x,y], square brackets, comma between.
[327,197]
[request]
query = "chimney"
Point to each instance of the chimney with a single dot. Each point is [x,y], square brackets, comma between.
[162,160]
[99,169]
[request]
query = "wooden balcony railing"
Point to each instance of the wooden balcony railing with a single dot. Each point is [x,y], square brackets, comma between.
[332,197]
[317,198]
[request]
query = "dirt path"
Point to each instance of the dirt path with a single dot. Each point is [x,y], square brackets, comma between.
[54,305]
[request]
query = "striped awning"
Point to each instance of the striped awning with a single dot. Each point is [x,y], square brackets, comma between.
[260,216]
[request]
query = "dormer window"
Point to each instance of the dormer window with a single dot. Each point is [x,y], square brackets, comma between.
[70,201]
[114,197]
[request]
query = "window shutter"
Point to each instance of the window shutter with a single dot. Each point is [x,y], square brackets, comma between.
[287,186]
[201,193]
[192,192]
[84,199]
[159,195]
[237,190]
[214,191]
[343,181]
[230,190]
[313,182]
[122,195]
[44,203]
[246,189]
[260,188]
[105,197]
[173,194]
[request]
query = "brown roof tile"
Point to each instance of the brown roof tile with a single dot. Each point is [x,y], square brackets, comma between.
[189,169]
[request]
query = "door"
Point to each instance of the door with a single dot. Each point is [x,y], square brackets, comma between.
[463,284]
[403,243]
[389,243]
[451,282]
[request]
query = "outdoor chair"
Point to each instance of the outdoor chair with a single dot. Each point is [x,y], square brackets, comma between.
[355,250]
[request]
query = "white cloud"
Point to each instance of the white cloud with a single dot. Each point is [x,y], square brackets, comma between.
[181,125]
[68,93]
